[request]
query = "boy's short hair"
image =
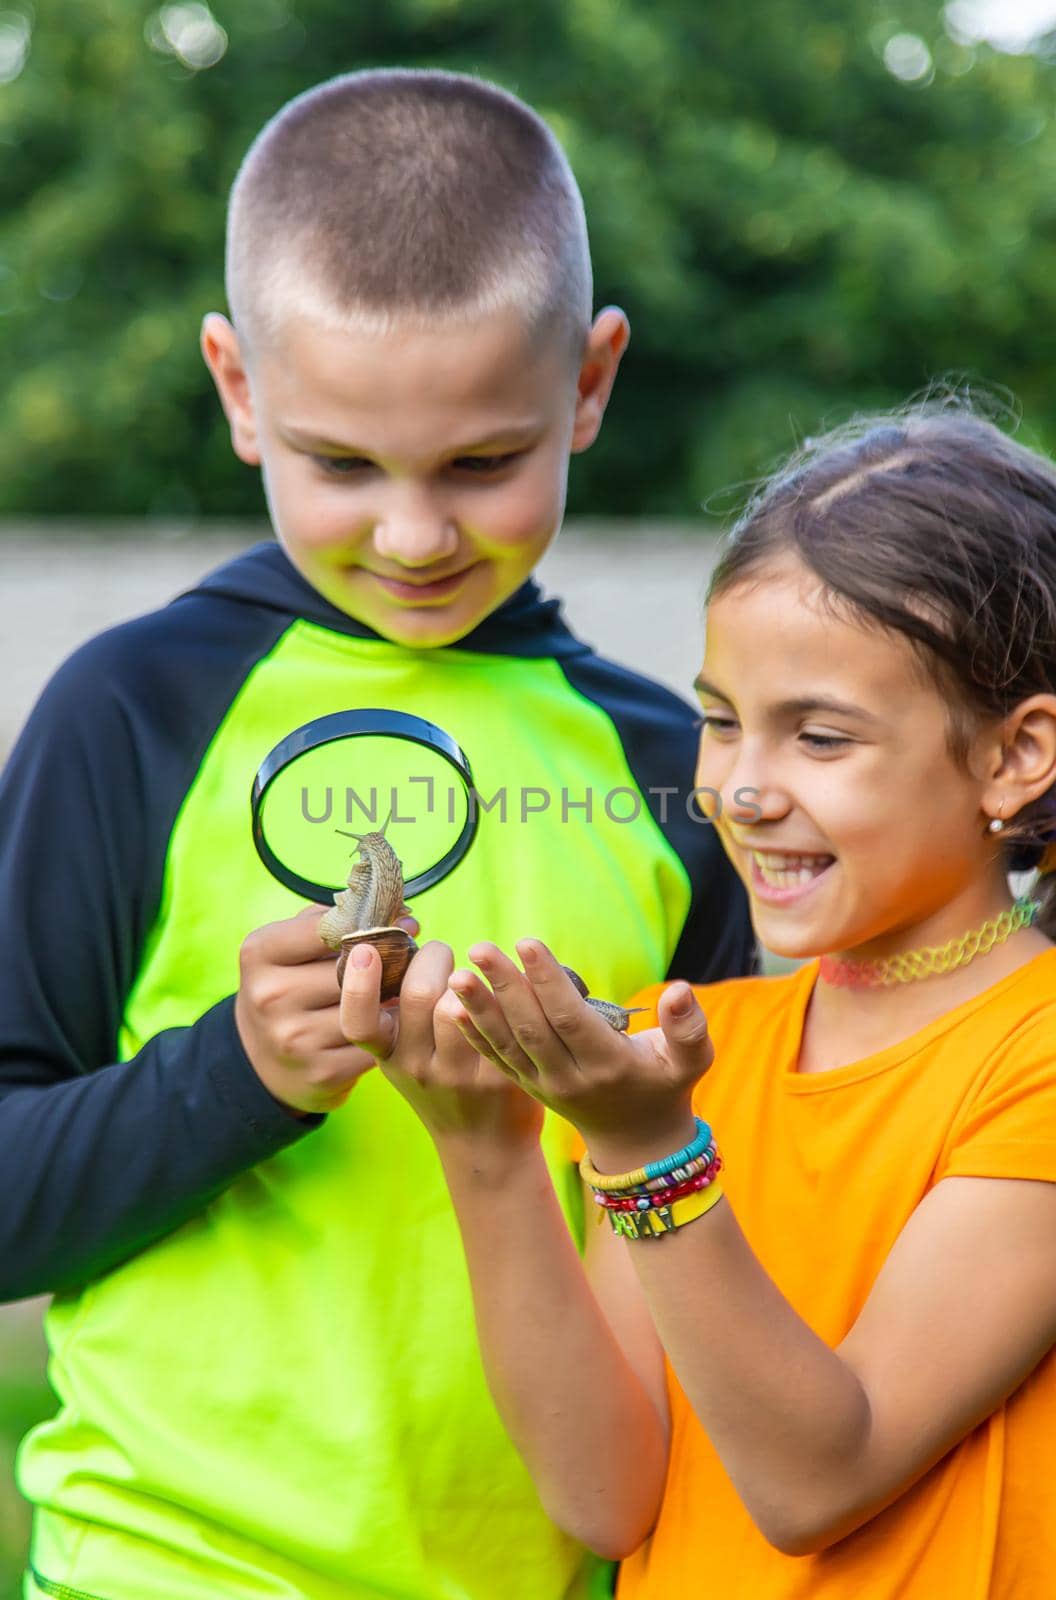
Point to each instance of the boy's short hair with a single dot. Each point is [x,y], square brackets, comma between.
[386,194]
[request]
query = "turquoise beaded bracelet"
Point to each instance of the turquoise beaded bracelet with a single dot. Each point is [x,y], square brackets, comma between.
[660,1169]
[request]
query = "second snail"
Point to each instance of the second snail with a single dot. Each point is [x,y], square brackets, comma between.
[365,912]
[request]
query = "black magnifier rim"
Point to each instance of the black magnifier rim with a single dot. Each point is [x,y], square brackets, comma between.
[353,725]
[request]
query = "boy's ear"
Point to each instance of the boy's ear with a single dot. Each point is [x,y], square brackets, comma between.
[606,342]
[223,356]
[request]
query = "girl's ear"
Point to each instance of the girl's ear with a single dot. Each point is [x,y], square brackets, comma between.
[606,342]
[1024,765]
[223,356]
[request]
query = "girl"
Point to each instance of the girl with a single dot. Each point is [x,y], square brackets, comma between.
[858,1314]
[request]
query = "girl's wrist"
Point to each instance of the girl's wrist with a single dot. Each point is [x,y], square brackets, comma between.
[486,1158]
[613,1151]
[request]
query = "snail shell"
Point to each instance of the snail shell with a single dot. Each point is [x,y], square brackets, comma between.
[395,947]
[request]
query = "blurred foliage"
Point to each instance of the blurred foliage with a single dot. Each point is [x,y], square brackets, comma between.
[794,229]
[24,1400]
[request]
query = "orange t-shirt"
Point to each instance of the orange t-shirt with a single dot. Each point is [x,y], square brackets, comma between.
[823,1170]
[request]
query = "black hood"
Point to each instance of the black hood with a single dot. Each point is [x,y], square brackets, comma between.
[524,625]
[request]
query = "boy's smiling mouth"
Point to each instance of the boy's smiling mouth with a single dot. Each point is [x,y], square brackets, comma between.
[422,591]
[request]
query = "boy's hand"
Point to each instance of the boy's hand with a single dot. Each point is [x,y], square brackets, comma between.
[287,1012]
[629,1096]
[426,1046]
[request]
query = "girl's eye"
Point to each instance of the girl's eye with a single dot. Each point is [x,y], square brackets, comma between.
[716,724]
[725,726]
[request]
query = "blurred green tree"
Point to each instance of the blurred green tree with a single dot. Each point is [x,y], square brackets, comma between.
[805,209]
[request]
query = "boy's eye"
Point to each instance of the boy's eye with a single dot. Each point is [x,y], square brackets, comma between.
[824,741]
[480,466]
[342,466]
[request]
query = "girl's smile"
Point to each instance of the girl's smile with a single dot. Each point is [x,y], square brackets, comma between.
[780,877]
[864,833]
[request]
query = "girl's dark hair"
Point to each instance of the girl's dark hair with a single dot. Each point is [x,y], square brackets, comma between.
[932,523]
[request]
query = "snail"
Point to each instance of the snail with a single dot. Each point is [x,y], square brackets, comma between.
[366,912]
[617,1017]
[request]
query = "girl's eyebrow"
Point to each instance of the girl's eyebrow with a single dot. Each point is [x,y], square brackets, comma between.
[800,705]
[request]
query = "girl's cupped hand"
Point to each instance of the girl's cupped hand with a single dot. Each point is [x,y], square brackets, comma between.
[421,1048]
[629,1095]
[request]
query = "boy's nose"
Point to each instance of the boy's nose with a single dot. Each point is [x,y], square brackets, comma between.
[415,539]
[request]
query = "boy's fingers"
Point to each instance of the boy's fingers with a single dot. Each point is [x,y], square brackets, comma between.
[348,1063]
[290,942]
[296,940]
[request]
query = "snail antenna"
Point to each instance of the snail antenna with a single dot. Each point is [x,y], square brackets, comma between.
[348,834]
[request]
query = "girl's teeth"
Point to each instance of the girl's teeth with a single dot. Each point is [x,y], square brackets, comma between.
[794,870]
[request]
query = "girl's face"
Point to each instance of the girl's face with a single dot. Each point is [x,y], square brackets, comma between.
[842,809]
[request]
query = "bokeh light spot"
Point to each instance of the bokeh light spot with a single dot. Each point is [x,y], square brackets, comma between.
[15,35]
[908,58]
[189,32]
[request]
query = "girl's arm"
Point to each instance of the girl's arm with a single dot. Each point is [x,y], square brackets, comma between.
[815,1440]
[585,1408]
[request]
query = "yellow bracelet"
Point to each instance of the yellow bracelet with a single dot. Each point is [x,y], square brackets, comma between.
[695,1205]
[610,1183]
[665,1219]
[642,1177]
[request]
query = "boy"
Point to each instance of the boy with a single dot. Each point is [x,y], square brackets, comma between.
[262,1335]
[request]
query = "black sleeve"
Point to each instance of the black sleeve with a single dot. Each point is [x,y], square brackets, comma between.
[100,1158]
[658,732]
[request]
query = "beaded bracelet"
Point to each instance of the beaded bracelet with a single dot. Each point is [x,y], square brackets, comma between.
[655,1223]
[658,1196]
[612,1184]
[662,1195]
[654,1202]
[678,1175]
[670,1180]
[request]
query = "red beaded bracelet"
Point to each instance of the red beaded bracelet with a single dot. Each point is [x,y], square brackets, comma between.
[667,1197]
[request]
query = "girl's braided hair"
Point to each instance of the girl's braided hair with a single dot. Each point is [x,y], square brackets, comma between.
[933,523]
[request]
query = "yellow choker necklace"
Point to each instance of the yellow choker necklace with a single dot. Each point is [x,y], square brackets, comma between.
[930,960]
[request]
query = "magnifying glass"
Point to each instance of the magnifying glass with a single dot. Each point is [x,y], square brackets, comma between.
[354,772]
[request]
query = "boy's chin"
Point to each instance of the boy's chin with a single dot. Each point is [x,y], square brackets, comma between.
[423,627]
[431,633]
[427,628]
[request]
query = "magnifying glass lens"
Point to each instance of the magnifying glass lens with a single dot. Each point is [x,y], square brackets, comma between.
[353,773]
